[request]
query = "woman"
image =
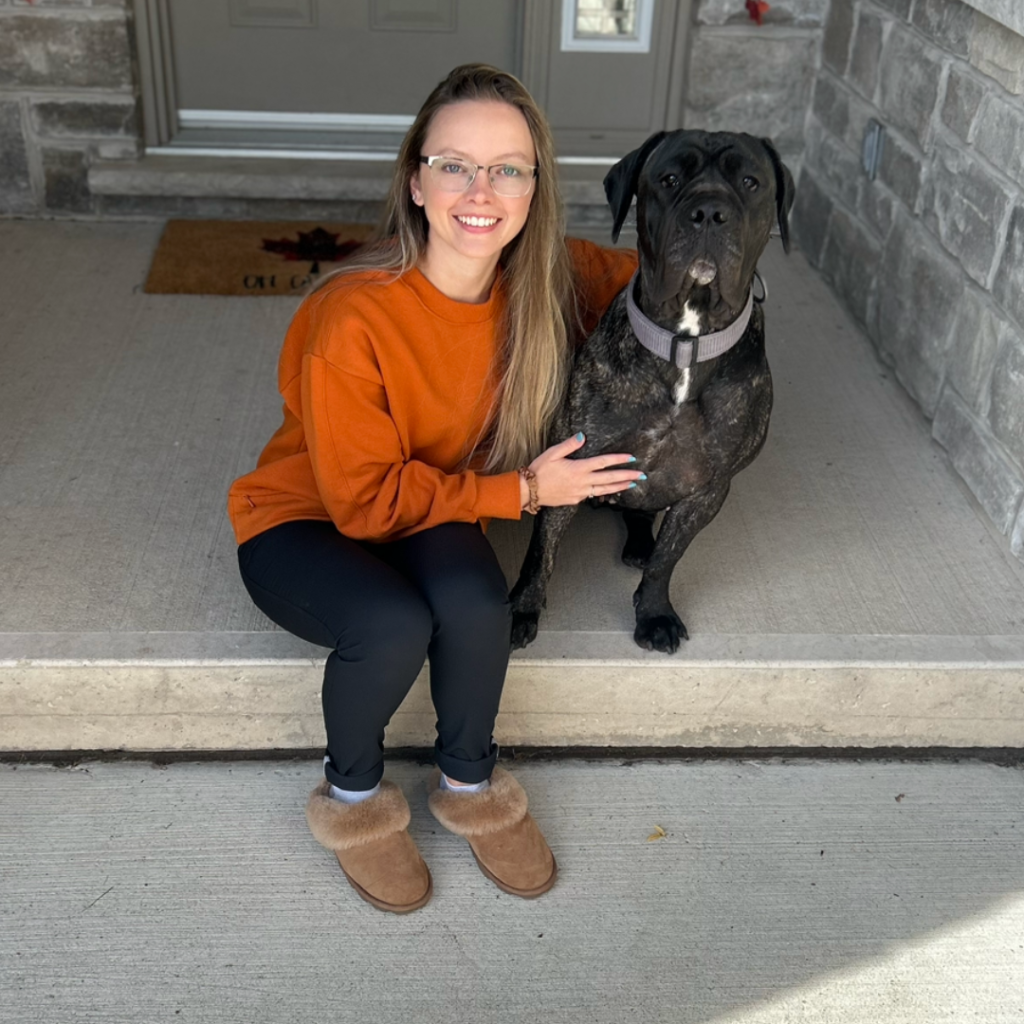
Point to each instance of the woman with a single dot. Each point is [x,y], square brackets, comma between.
[415,381]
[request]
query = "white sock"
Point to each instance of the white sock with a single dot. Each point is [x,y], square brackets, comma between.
[476,787]
[353,796]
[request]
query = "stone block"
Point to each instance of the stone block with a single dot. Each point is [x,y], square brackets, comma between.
[998,52]
[1006,409]
[1007,12]
[979,333]
[810,217]
[1017,536]
[947,23]
[767,90]
[1008,286]
[119,149]
[901,169]
[65,175]
[919,289]
[877,208]
[966,207]
[961,103]
[850,260]
[999,135]
[979,459]
[831,105]
[909,83]
[63,53]
[901,8]
[866,54]
[840,171]
[85,118]
[15,179]
[835,47]
[800,13]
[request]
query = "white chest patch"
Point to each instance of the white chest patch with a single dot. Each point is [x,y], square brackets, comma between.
[683,386]
[689,324]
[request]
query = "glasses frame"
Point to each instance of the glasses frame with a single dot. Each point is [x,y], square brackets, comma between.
[430,160]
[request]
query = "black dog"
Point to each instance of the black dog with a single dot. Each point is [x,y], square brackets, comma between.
[693,414]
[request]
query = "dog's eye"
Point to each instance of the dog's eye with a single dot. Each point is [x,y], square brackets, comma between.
[670,181]
[752,183]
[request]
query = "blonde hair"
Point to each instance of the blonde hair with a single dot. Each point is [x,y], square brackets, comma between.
[540,305]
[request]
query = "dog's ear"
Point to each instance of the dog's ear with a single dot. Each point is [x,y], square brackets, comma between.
[621,181]
[784,191]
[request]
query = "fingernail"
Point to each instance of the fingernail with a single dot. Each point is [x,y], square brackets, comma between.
[643,476]
[633,484]
[579,436]
[632,458]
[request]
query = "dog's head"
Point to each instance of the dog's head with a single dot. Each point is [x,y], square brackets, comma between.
[706,205]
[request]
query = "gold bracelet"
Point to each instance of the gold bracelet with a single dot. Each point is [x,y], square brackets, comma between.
[533,505]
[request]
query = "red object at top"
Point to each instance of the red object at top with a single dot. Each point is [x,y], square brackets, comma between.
[758,9]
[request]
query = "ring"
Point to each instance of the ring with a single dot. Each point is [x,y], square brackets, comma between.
[591,491]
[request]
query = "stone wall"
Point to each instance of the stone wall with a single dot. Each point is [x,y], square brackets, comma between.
[755,78]
[929,256]
[67,94]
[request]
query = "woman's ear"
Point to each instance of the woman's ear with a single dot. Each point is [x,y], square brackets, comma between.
[415,190]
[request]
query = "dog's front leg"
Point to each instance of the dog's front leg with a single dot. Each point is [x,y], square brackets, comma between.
[658,627]
[529,595]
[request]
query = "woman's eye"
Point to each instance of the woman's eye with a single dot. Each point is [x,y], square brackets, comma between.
[510,171]
[670,181]
[453,167]
[752,183]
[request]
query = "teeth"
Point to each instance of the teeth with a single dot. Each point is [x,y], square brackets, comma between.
[478,222]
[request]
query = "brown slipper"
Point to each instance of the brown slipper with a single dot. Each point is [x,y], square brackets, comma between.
[505,840]
[373,846]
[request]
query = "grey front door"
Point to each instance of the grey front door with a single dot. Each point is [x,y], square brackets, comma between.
[347,76]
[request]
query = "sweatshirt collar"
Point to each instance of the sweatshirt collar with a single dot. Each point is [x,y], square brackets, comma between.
[449,309]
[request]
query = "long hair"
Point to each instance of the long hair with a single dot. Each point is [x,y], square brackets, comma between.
[537,277]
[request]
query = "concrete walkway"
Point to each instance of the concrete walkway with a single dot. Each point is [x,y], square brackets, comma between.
[801,893]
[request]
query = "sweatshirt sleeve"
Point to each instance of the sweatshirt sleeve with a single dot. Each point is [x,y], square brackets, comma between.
[369,485]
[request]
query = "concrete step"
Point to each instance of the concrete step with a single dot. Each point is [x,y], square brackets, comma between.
[169,184]
[849,594]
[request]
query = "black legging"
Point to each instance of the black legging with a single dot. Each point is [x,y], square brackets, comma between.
[384,608]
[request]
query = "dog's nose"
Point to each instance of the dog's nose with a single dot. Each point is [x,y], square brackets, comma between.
[709,213]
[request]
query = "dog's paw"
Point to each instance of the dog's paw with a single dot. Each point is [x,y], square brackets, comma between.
[636,557]
[524,629]
[660,632]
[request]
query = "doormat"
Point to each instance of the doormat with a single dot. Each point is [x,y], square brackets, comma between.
[230,257]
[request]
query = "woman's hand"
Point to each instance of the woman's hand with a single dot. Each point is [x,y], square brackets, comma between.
[565,481]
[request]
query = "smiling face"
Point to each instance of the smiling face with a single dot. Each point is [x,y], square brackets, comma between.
[468,230]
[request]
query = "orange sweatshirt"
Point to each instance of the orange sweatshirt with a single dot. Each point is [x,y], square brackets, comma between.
[386,385]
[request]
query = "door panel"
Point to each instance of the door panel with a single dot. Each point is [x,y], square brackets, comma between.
[606,102]
[331,56]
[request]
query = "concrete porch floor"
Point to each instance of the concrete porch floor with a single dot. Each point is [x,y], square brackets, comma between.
[849,594]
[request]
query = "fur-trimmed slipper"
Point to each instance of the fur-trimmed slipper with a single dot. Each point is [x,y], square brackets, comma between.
[375,851]
[505,840]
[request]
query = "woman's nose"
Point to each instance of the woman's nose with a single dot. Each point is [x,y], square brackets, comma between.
[481,184]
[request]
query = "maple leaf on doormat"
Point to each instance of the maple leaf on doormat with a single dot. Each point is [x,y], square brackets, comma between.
[316,246]
[758,9]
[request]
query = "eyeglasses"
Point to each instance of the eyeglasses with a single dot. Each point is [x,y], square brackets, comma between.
[451,174]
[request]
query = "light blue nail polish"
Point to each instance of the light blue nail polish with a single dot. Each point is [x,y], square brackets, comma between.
[633,484]
[579,436]
[643,476]
[632,458]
